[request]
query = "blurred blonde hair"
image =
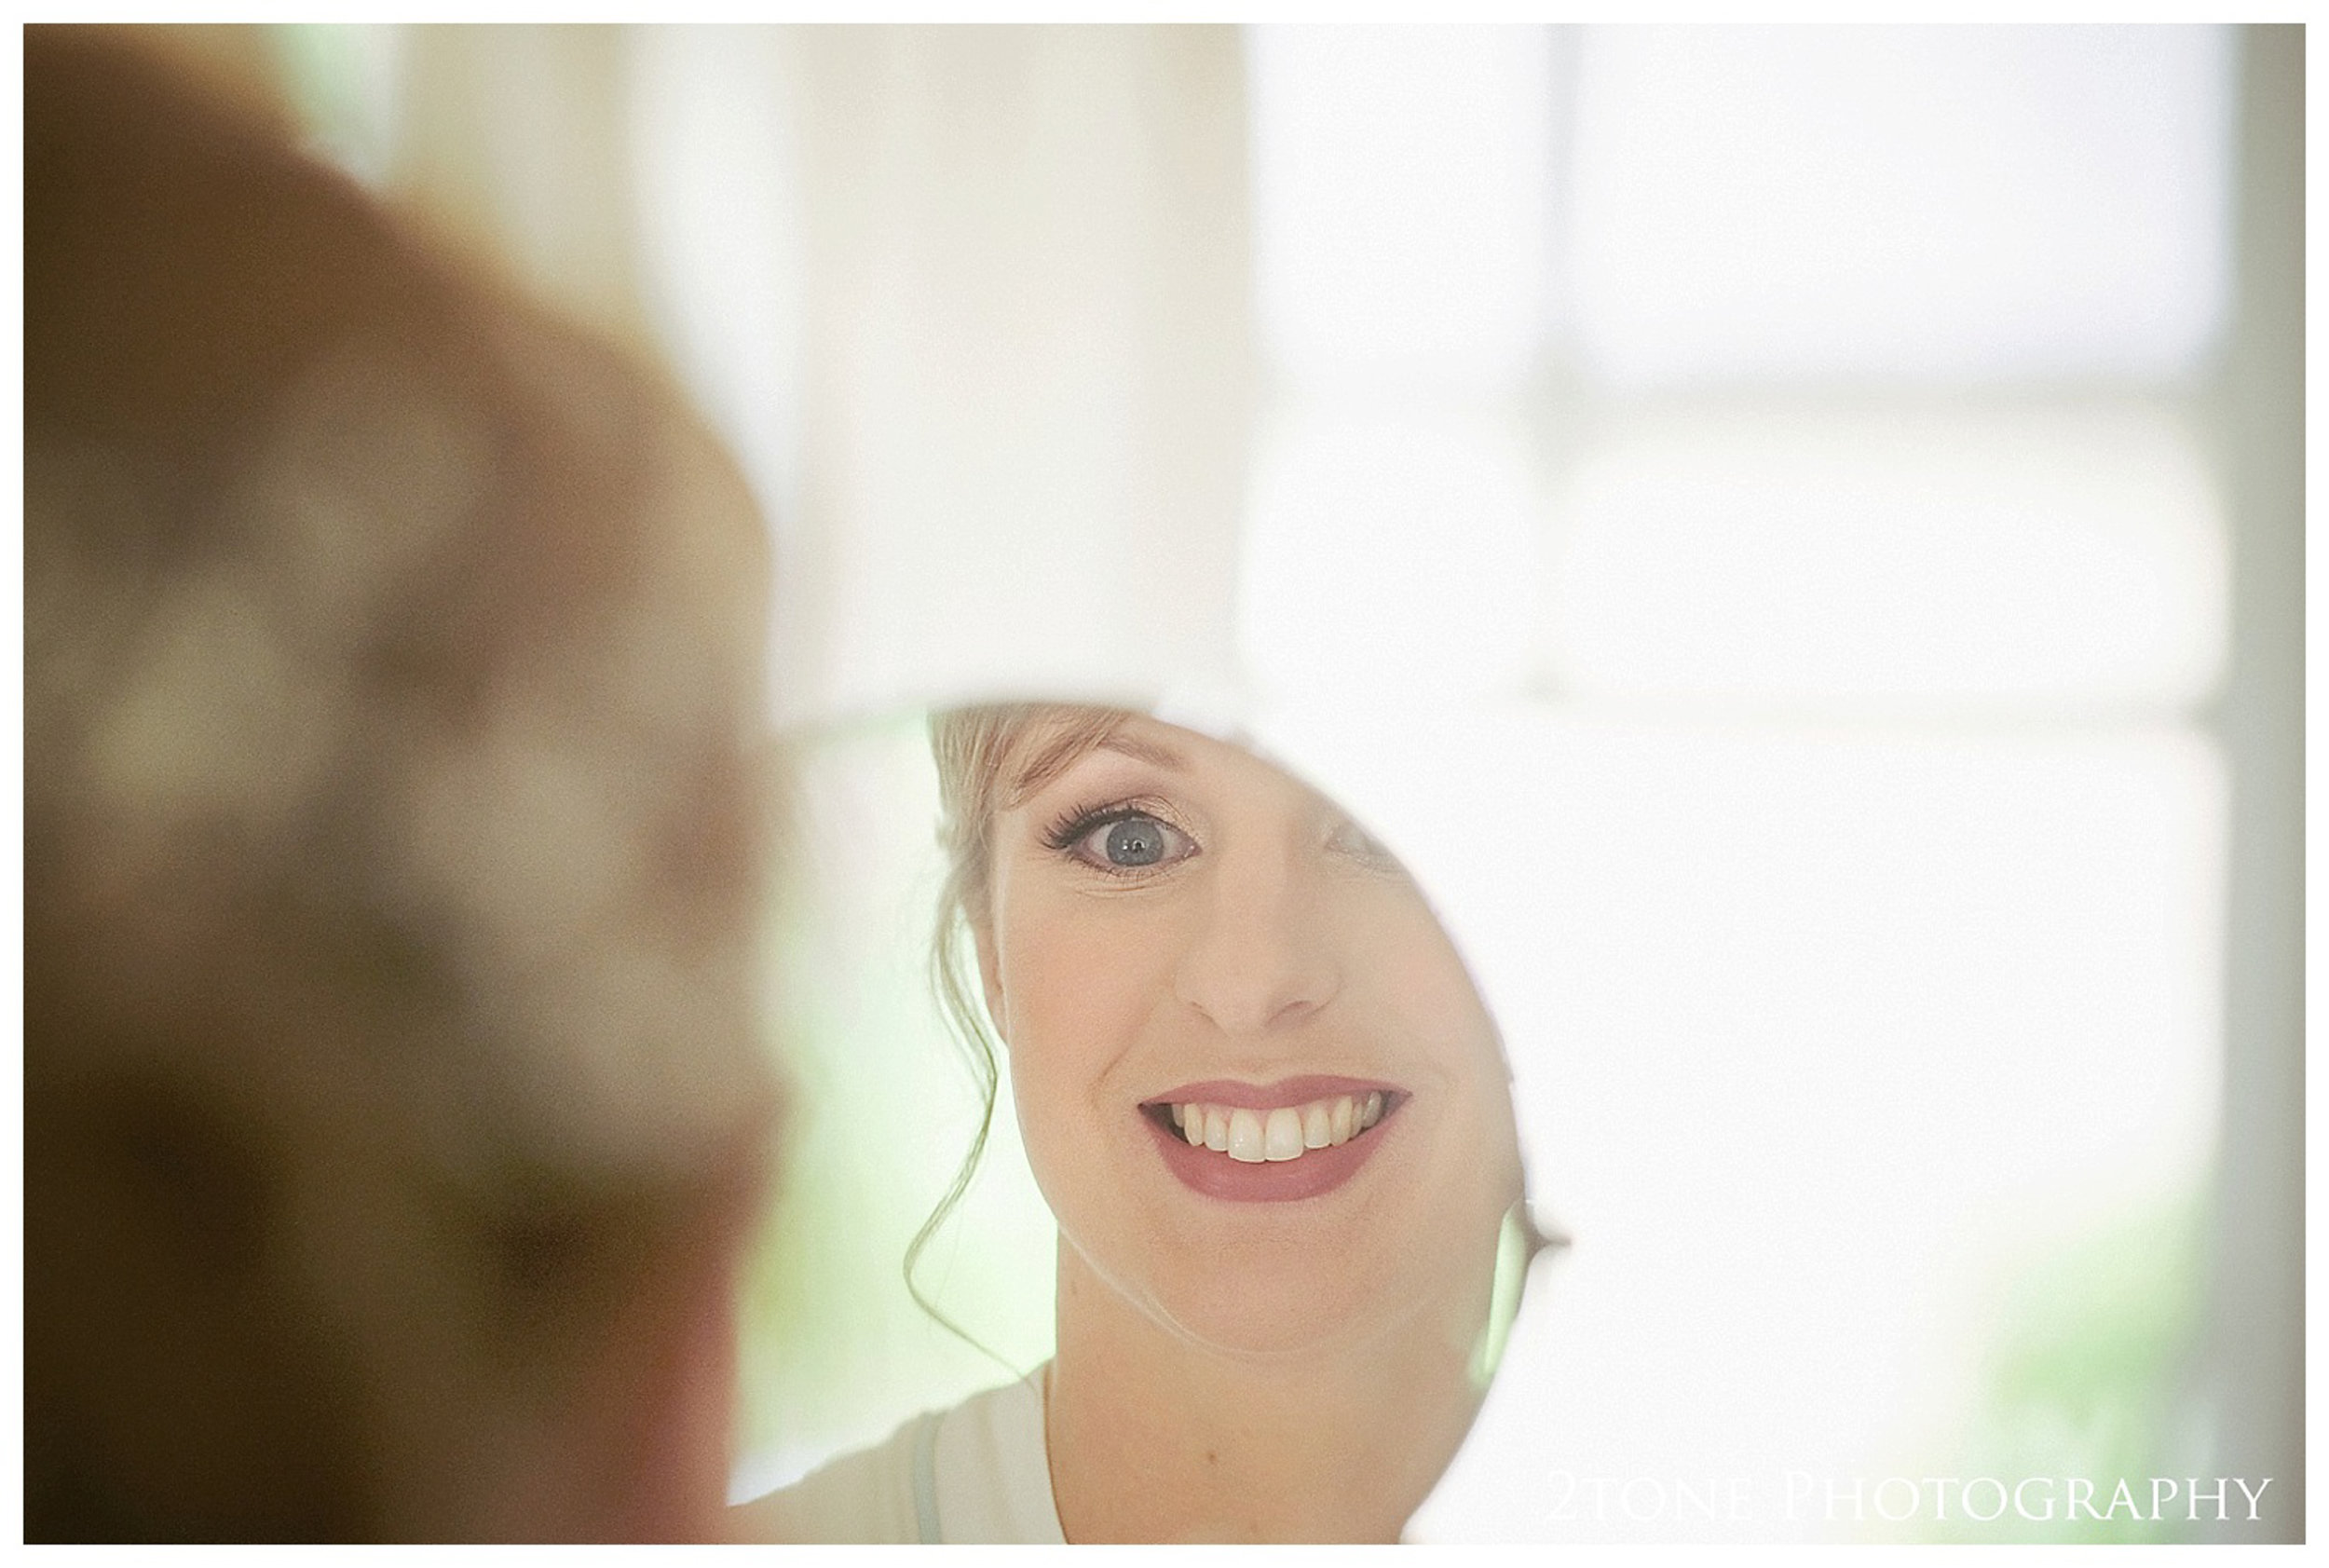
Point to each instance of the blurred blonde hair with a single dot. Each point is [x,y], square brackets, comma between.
[395,1108]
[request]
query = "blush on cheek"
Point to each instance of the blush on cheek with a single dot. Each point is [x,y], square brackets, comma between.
[1422,980]
[1076,1001]
[1075,987]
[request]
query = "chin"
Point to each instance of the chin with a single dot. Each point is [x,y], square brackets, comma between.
[1282,1310]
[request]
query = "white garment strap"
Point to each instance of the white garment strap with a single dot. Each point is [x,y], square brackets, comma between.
[926,1480]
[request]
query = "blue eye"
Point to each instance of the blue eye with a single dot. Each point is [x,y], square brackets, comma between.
[1134,841]
[1126,842]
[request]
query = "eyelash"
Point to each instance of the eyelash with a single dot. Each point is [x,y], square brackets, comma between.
[1079,823]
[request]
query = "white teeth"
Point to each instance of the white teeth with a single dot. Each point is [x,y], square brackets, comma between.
[1286,1133]
[1317,1126]
[1245,1137]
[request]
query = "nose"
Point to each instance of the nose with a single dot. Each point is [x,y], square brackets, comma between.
[1264,957]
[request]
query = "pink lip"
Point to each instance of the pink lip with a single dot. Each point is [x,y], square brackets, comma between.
[1271,1096]
[1319,1170]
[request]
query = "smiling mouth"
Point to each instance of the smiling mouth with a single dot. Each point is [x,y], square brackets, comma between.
[1280,1136]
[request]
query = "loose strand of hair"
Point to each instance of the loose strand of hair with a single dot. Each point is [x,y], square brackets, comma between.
[978,1052]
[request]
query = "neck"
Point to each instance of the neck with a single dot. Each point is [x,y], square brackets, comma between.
[1153,1438]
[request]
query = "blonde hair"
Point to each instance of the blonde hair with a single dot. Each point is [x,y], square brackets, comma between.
[989,759]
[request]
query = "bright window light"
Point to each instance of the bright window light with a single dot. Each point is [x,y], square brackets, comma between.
[2063,558]
[1900,202]
[1402,203]
[1388,551]
[1818,1037]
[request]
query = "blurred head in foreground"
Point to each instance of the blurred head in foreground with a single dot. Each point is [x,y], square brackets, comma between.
[394,1105]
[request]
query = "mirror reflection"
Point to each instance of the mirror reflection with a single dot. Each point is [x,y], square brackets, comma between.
[1268,1113]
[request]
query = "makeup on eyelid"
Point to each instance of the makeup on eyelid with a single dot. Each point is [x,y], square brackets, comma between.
[1147,826]
[1072,829]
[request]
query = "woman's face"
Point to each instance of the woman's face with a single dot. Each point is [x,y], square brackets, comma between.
[1254,1080]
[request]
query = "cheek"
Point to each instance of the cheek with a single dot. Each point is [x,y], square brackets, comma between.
[1074,1000]
[1421,983]
[1079,982]
[1413,974]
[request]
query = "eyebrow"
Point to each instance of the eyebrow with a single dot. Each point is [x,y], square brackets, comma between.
[1100,729]
[1144,750]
